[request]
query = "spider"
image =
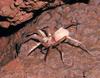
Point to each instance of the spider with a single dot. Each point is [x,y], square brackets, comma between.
[49,40]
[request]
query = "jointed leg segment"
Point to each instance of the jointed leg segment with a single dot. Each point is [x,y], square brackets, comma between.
[77,43]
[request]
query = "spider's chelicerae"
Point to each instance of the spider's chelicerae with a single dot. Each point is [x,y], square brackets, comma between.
[48,40]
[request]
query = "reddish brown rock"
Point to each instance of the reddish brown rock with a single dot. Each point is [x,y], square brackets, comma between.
[15,12]
[77,64]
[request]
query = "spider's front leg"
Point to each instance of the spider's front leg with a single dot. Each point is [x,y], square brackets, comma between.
[24,40]
[34,37]
[42,40]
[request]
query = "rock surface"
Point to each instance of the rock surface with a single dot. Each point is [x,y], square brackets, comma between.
[77,63]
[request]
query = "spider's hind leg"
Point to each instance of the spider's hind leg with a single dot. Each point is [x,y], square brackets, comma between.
[76,43]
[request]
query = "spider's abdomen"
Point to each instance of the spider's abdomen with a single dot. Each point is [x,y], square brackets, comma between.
[61,34]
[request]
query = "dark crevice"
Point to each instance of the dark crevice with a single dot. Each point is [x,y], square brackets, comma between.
[10,30]
[4,18]
[76,1]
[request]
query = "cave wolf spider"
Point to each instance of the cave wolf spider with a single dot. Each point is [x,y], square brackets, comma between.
[49,39]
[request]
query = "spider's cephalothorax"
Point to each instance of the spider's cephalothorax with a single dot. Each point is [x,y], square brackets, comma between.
[48,39]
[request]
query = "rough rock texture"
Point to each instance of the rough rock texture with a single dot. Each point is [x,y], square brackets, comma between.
[77,64]
[14,12]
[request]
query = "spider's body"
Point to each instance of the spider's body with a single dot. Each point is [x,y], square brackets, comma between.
[48,40]
[54,39]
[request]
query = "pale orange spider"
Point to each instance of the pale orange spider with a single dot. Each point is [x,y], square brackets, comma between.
[49,40]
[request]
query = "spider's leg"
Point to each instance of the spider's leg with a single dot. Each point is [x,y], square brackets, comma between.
[26,40]
[73,24]
[61,56]
[44,28]
[47,51]
[33,48]
[34,37]
[77,43]
[29,34]
[18,45]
